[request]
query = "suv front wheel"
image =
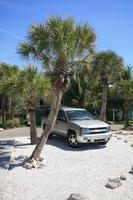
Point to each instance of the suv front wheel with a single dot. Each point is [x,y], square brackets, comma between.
[72,139]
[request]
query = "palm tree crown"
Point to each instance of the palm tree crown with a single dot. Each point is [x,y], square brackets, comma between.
[57,44]
[108,65]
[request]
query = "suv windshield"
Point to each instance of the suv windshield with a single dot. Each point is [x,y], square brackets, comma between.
[78,115]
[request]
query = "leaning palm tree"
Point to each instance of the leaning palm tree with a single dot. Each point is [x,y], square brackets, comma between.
[57,44]
[108,65]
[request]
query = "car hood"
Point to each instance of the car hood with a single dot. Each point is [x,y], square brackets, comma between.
[90,123]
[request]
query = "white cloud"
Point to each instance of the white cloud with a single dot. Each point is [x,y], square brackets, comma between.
[17,6]
[10,33]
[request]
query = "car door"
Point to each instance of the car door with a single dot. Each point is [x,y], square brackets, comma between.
[60,127]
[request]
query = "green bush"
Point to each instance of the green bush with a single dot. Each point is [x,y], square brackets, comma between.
[23,121]
[16,122]
[13,123]
[9,124]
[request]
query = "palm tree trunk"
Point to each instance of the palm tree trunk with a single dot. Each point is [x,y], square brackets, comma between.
[3,104]
[126,113]
[33,131]
[104,102]
[50,123]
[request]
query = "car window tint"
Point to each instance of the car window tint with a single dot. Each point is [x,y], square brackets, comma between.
[61,115]
[78,115]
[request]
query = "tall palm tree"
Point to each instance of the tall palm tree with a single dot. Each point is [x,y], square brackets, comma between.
[108,65]
[32,85]
[123,90]
[57,44]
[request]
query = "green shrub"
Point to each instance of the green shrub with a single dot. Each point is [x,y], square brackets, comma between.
[9,124]
[23,121]
[13,123]
[16,122]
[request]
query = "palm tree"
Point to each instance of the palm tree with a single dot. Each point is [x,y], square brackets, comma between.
[57,44]
[32,85]
[123,90]
[108,65]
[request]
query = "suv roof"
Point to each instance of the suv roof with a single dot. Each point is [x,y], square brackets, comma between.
[65,108]
[71,108]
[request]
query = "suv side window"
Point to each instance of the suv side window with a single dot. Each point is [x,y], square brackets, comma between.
[61,116]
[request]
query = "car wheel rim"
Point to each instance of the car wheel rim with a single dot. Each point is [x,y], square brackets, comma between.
[73,140]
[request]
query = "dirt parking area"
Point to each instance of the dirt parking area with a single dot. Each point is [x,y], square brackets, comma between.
[83,170]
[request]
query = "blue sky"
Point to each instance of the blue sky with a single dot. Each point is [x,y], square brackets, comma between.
[112,21]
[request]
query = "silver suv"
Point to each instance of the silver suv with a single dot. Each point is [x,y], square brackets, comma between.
[79,126]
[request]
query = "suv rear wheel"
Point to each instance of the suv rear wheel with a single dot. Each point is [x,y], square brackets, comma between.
[72,139]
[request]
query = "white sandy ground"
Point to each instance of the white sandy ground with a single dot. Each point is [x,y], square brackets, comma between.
[83,170]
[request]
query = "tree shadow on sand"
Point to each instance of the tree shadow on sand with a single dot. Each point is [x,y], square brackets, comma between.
[5,159]
[5,153]
[21,145]
[17,162]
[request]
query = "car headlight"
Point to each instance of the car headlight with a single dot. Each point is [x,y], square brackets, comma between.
[108,129]
[84,130]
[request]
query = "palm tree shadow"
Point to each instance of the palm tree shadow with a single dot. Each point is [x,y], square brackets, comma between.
[17,162]
[21,145]
[5,159]
[5,153]
[61,142]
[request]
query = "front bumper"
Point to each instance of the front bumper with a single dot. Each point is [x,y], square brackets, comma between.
[94,138]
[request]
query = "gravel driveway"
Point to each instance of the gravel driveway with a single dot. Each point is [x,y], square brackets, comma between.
[85,170]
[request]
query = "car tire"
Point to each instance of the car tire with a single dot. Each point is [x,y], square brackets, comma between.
[72,139]
[102,143]
[44,126]
[50,135]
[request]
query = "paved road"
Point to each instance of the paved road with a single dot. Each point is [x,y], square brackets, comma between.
[17,132]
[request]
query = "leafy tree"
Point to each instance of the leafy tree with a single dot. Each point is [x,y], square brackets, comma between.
[9,76]
[76,94]
[108,66]
[84,90]
[57,44]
